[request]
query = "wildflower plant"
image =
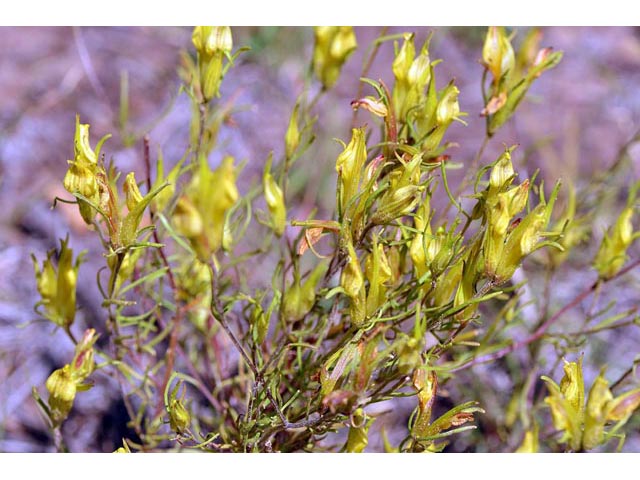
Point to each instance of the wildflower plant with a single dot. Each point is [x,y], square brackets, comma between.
[410,294]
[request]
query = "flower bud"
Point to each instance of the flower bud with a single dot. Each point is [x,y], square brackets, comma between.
[494,104]
[358,437]
[448,108]
[352,281]
[516,198]
[349,166]
[519,243]
[377,267]
[227,237]
[299,299]
[179,417]
[131,191]
[502,173]
[572,384]
[333,45]
[186,218]
[596,413]
[447,285]
[210,194]
[546,59]
[83,151]
[58,288]
[404,59]
[67,281]
[259,323]
[419,73]
[419,247]
[224,194]
[408,350]
[83,363]
[136,205]
[81,176]
[564,415]
[46,280]
[437,115]
[378,273]
[399,203]
[613,250]
[127,266]
[524,238]
[425,382]
[621,408]
[402,194]
[377,107]
[529,49]
[275,201]
[62,392]
[510,81]
[402,91]
[500,217]
[212,44]
[292,136]
[308,289]
[209,40]
[194,287]
[465,293]
[531,235]
[441,249]
[497,53]
[211,78]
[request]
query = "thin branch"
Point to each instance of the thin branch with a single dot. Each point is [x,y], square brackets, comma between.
[483,291]
[465,181]
[217,313]
[540,332]
[628,372]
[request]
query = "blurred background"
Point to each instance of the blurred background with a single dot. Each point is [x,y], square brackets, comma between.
[574,124]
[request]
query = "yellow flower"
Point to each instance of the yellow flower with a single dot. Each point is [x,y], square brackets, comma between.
[275,200]
[57,288]
[81,178]
[212,45]
[497,53]
[62,392]
[333,45]
[201,213]
[349,165]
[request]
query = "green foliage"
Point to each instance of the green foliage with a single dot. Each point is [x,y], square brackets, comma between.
[408,297]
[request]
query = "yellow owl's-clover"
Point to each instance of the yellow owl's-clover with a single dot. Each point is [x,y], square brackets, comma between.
[583,425]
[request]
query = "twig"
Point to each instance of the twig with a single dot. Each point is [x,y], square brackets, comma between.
[465,181]
[217,312]
[176,320]
[539,333]
[629,371]
[201,126]
[156,239]
[58,440]
[483,291]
